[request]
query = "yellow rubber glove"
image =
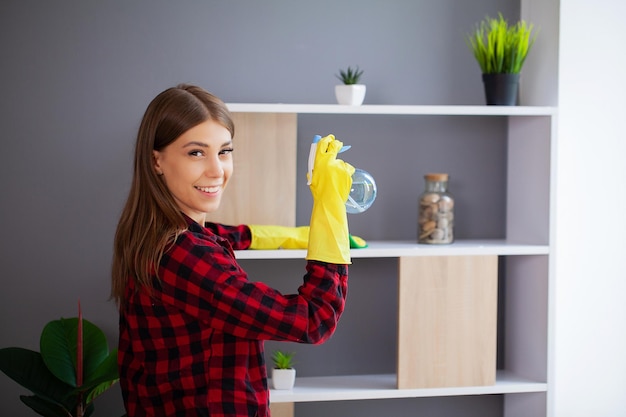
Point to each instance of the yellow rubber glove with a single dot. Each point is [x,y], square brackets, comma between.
[279,237]
[331,180]
[283,237]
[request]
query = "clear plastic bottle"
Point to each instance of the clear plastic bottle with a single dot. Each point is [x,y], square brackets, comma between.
[362,193]
[436,211]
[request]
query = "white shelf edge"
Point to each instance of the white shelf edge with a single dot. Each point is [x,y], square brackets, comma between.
[367,387]
[454,110]
[395,249]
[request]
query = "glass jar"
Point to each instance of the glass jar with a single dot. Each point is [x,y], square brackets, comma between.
[436,211]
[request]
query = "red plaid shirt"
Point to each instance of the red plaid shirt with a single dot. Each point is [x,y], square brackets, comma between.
[195,348]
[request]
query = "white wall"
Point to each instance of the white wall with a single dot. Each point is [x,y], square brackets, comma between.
[590,320]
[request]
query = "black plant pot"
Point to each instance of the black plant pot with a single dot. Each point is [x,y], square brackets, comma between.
[501,89]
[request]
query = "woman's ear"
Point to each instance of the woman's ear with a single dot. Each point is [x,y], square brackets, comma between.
[157,166]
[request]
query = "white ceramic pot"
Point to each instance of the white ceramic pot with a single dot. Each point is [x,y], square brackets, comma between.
[283,378]
[351,95]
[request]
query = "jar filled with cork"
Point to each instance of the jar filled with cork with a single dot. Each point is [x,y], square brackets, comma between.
[436,211]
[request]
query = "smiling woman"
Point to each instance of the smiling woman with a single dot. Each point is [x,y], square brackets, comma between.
[192,325]
[152,216]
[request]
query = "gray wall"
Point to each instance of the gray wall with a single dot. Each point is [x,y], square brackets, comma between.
[76,76]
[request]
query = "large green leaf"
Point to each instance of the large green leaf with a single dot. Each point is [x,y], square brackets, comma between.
[106,371]
[45,408]
[98,390]
[103,378]
[26,367]
[58,346]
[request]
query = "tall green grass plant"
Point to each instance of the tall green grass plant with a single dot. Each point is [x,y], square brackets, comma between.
[500,48]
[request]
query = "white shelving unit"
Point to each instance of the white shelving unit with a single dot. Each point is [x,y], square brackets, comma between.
[526,249]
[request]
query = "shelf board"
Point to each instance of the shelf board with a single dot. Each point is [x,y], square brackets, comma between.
[395,249]
[425,110]
[366,387]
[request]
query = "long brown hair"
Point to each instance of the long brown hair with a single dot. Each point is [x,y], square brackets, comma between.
[151,219]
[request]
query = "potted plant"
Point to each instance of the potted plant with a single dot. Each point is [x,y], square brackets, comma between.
[72,369]
[283,372]
[501,51]
[350,92]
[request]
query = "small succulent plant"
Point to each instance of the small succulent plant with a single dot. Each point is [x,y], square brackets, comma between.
[350,76]
[283,360]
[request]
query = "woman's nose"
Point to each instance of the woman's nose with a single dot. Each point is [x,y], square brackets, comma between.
[214,168]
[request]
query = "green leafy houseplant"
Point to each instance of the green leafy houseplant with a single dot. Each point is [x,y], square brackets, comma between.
[73,368]
[283,360]
[350,76]
[500,48]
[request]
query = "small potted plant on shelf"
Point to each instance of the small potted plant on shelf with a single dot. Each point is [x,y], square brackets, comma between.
[350,92]
[283,372]
[73,368]
[501,50]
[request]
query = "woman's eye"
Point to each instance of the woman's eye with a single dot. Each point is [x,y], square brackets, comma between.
[226,151]
[196,153]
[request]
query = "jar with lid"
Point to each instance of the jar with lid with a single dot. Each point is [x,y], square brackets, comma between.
[436,211]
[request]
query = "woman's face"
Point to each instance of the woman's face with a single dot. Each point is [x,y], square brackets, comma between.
[196,168]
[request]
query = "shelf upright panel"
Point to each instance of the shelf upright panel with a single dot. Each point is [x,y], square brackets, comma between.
[263,188]
[529,214]
[447,314]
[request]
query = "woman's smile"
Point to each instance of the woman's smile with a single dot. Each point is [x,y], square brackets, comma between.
[209,190]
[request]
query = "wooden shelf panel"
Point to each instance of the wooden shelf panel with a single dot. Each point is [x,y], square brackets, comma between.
[393,109]
[447,321]
[395,249]
[365,387]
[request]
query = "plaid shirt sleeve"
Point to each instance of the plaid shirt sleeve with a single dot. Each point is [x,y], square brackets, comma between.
[201,277]
[239,236]
[194,347]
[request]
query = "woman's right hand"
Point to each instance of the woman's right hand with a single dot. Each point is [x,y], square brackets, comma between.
[330,186]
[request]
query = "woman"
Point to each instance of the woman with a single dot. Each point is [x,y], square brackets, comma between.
[192,325]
